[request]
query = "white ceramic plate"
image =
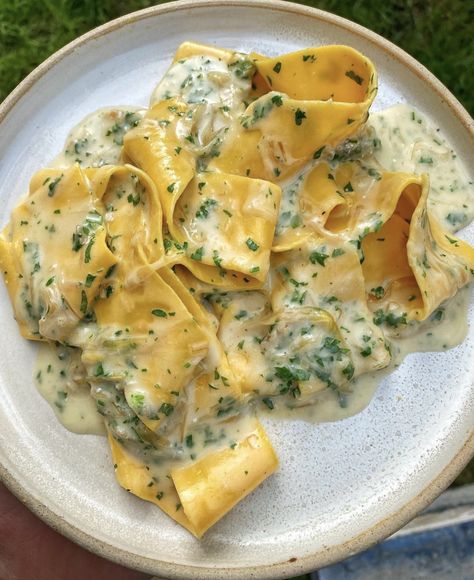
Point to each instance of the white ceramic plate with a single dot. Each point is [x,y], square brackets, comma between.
[341,486]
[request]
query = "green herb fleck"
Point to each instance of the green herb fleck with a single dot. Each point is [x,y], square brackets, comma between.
[268,402]
[348,187]
[277,100]
[299,116]
[52,186]
[197,255]
[251,245]
[159,312]
[205,207]
[317,154]
[166,409]
[354,77]
[90,280]
[318,257]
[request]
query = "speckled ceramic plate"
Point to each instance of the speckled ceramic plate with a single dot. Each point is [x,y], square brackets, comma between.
[341,486]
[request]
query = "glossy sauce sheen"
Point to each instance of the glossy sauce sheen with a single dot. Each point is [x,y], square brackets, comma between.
[249,245]
[406,141]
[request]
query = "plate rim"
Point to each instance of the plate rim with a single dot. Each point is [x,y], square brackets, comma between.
[368,537]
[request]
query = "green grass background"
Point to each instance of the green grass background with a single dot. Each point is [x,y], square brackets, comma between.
[439,33]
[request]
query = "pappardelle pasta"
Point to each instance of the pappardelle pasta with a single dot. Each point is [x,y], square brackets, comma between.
[242,245]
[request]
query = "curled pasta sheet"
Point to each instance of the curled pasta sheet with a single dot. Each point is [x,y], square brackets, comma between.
[346,200]
[316,97]
[310,275]
[228,223]
[224,224]
[54,255]
[213,485]
[411,263]
[132,474]
[311,316]
[241,254]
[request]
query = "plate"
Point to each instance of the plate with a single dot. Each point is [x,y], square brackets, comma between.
[341,486]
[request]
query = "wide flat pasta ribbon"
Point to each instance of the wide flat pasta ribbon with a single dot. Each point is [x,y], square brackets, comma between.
[216,390]
[327,274]
[54,254]
[213,485]
[411,264]
[348,201]
[223,223]
[324,100]
[135,477]
[140,320]
[227,223]
[200,493]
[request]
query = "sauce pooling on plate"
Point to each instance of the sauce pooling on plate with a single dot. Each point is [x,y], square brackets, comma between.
[253,242]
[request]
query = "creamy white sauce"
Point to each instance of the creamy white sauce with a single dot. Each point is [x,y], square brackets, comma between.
[446,328]
[97,139]
[206,80]
[216,90]
[410,141]
[60,380]
[432,335]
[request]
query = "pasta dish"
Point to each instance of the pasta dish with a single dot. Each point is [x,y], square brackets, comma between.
[252,243]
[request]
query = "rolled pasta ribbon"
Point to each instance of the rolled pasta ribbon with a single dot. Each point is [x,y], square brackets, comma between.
[317,97]
[346,201]
[411,264]
[213,485]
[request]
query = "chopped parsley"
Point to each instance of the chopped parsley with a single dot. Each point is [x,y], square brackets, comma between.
[268,402]
[354,77]
[378,292]
[166,409]
[277,100]
[83,306]
[89,280]
[318,257]
[205,207]
[348,187]
[318,152]
[241,314]
[159,312]
[53,184]
[197,255]
[389,318]
[251,245]
[299,116]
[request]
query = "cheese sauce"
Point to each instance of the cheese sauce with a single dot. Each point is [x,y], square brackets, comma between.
[60,379]
[410,141]
[249,245]
[404,140]
[97,140]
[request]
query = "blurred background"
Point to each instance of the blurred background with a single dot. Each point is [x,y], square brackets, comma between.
[438,33]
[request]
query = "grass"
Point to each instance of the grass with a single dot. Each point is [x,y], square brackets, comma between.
[436,32]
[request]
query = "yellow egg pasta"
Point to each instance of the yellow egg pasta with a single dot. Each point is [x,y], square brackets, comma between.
[236,248]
